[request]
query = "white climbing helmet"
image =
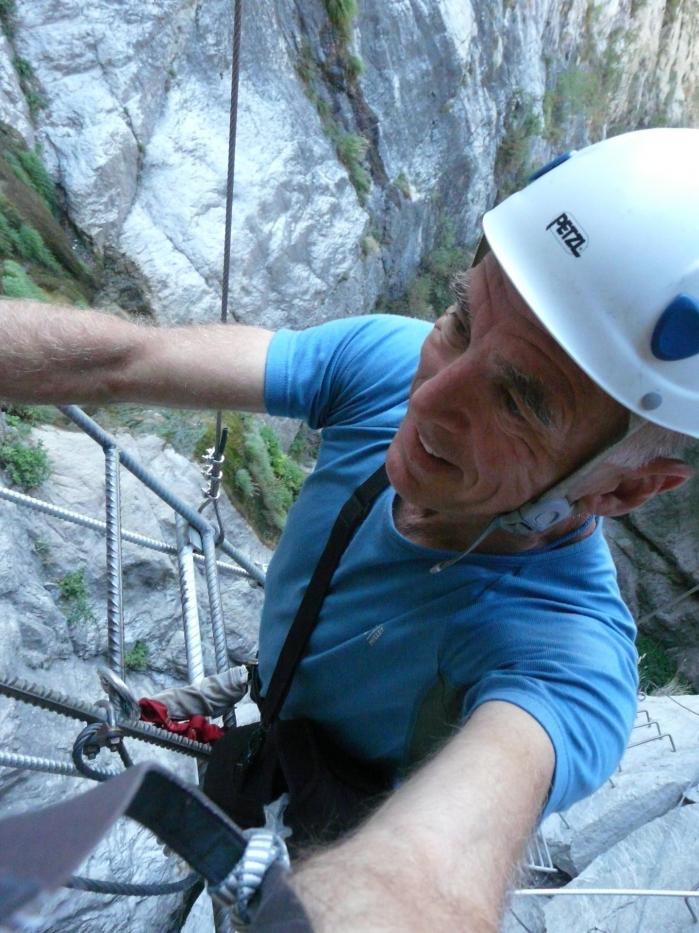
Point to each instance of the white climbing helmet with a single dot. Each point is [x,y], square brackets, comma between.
[603,245]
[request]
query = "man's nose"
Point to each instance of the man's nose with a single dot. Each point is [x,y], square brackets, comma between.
[448,397]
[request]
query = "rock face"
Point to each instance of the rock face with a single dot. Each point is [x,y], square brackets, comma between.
[451,101]
[660,855]
[41,635]
[656,552]
[638,831]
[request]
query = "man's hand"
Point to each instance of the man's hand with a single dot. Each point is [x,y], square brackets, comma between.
[63,355]
[441,851]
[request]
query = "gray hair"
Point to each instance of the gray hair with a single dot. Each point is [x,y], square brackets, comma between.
[652,441]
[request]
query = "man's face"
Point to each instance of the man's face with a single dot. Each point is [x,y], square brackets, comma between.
[498,412]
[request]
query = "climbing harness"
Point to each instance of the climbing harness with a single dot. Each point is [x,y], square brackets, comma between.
[236,868]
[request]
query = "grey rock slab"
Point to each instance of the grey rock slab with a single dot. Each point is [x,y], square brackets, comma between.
[677,716]
[652,780]
[600,821]
[663,854]
[524,915]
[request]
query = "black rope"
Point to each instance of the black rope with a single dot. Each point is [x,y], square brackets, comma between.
[98,886]
[232,132]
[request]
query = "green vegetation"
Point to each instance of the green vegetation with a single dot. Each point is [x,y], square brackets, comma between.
[137,658]
[182,429]
[304,447]
[36,256]
[351,148]
[17,284]
[656,668]
[402,183]
[355,67]
[28,167]
[7,17]
[29,84]
[342,14]
[586,88]
[22,418]
[430,293]
[74,596]
[522,126]
[259,477]
[19,240]
[26,464]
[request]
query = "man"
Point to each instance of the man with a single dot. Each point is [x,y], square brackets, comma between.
[479,591]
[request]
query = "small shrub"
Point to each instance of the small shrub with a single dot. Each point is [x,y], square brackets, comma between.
[17,284]
[32,247]
[137,658]
[244,482]
[259,477]
[655,667]
[27,466]
[30,86]
[403,185]
[351,147]
[304,447]
[29,168]
[7,17]
[342,14]
[513,160]
[355,67]
[74,596]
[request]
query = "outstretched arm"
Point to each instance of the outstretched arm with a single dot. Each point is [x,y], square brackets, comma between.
[440,853]
[63,355]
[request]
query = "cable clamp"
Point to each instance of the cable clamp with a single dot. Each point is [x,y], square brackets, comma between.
[239,887]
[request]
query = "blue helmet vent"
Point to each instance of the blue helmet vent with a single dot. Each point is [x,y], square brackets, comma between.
[563,157]
[676,335]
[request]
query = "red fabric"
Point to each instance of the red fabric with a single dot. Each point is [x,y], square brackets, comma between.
[197,728]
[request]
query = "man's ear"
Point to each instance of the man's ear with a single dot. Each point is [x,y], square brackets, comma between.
[624,489]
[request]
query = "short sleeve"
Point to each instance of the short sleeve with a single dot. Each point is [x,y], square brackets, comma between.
[337,371]
[585,700]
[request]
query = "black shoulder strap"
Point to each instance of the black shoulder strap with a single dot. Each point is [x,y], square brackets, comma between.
[352,514]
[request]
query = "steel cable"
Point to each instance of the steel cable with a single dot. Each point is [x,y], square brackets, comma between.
[230,177]
[99,886]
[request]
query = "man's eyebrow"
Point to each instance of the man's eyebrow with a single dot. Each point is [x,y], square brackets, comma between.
[460,289]
[531,391]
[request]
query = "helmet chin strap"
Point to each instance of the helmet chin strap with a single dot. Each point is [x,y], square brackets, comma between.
[538,515]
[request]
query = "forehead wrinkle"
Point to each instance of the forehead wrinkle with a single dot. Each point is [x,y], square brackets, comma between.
[531,389]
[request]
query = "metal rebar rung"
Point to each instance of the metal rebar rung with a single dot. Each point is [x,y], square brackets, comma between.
[47,765]
[46,698]
[188,596]
[115,603]
[153,544]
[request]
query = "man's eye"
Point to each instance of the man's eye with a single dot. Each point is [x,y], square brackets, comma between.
[511,404]
[460,332]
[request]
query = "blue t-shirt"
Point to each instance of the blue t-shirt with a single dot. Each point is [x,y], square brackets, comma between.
[399,655]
